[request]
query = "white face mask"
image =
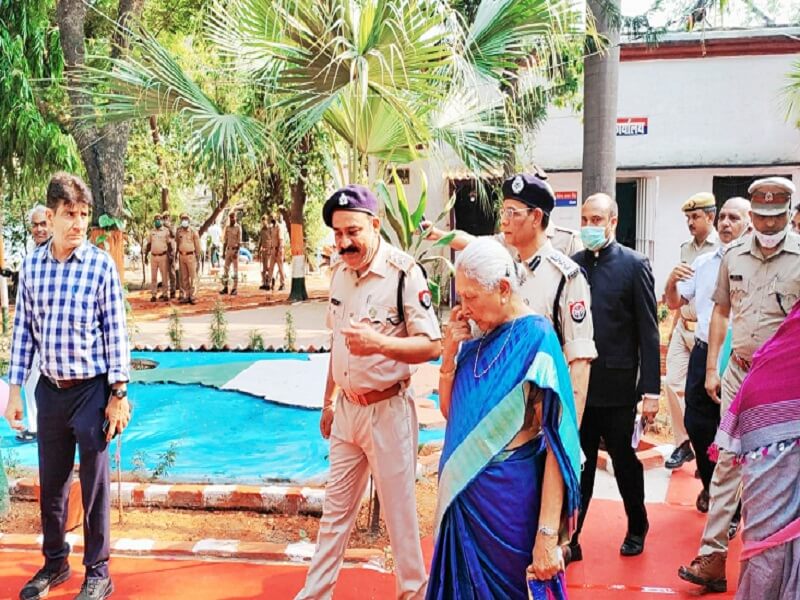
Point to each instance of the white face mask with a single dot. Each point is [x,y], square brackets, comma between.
[184,223]
[769,241]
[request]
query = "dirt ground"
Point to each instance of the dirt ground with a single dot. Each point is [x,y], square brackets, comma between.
[194,525]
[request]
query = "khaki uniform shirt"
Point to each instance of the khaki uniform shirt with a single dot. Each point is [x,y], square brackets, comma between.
[689,252]
[759,291]
[232,237]
[372,299]
[187,240]
[277,237]
[265,239]
[544,271]
[566,241]
[159,240]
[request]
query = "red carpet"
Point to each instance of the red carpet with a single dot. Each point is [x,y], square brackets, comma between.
[675,529]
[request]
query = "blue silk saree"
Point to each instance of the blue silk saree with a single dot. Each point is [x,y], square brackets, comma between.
[489,497]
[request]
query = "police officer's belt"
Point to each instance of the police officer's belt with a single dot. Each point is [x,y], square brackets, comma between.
[158,253]
[187,253]
[374,396]
[743,363]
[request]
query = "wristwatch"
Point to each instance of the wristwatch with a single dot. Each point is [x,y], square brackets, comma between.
[119,393]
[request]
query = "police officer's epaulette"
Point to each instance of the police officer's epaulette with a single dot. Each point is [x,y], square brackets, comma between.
[564,264]
[400,260]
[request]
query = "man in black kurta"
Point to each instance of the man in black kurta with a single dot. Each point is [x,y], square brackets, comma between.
[627,368]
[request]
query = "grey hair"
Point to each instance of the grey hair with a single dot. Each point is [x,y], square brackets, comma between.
[488,262]
[37,208]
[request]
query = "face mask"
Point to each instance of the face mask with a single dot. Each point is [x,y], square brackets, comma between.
[184,223]
[769,241]
[593,237]
[158,223]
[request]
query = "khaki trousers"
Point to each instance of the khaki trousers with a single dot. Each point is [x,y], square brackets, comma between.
[726,483]
[159,264]
[231,258]
[277,260]
[380,439]
[265,256]
[188,268]
[680,347]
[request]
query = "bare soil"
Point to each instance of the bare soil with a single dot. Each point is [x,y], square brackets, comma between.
[194,525]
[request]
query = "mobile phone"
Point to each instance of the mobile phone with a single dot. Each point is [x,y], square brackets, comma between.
[105,429]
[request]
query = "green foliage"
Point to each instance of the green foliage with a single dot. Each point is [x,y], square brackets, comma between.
[32,140]
[290,333]
[404,231]
[218,330]
[255,341]
[175,329]
[662,312]
[163,463]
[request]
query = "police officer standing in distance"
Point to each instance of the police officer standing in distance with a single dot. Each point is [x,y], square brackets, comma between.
[368,412]
[232,240]
[158,246]
[187,242]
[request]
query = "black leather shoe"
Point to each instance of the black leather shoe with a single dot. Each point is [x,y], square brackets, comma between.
[96,588]
[682,454]
[702,501]
[633,545]
[572,553]
[40,584]
[733,528]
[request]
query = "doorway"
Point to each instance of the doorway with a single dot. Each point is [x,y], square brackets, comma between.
[627,201]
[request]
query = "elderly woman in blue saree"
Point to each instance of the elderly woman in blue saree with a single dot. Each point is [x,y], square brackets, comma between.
[508,478]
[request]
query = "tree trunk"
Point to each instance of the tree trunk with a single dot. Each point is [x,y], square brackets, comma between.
[162,173]
[102,149]
[226,198]
[600,91]
[298,193]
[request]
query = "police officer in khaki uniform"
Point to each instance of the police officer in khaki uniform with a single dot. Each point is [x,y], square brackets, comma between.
[187,242]
[265,252]
[231,241]
[565,240]
[278,253]
[172,261]
[759,281]
[555,287]
[700,210]
[158,246]
[368,412]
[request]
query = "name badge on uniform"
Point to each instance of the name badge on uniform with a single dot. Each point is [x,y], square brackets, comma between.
[735,277]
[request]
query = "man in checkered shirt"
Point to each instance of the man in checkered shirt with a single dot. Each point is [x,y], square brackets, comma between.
[71,311]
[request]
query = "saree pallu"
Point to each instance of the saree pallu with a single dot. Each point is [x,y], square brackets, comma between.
[770,506]
[486,539]
[489,498]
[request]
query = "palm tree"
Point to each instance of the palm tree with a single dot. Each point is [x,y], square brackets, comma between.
[390,80]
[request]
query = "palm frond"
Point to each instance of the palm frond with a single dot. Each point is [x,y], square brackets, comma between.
[149,82]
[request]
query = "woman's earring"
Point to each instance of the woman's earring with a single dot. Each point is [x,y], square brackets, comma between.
[502,300]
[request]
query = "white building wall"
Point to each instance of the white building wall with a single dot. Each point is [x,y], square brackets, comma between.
[717,116]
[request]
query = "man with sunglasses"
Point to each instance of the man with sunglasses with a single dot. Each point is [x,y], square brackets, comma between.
[757,285]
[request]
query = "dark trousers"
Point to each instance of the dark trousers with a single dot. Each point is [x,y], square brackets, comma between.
[702,413]
[615,425]
[67,417]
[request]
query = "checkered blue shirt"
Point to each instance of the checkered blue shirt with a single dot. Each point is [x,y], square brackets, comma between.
[73,313]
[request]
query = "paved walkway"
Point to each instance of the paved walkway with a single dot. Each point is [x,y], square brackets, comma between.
[675,527]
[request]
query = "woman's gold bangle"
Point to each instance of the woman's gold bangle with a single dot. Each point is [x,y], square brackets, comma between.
[450,373]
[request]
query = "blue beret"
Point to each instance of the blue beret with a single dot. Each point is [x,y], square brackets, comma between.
[530,190]
[350,197]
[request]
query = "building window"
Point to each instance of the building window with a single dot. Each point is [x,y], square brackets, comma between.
[403,173]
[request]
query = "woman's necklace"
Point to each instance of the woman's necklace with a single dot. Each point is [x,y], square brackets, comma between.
[494,360]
